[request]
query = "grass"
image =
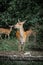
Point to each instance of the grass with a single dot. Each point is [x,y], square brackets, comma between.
[8,62]
[8,44]
[12,44]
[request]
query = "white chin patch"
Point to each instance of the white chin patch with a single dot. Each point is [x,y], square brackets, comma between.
[22,42]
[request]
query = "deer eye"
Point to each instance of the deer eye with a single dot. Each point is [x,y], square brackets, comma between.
[19,24]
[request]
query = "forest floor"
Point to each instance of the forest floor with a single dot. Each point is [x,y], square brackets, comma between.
[9,52]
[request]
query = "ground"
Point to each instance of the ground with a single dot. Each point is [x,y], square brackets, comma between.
[9,49]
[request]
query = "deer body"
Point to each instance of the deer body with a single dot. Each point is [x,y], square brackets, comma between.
[6,31]
[21,34]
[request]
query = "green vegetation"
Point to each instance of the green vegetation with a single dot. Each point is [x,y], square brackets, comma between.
[30,10]
[10,12]
[8,62]
[8,44]
[12,45]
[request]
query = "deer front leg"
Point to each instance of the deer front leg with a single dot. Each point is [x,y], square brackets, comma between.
[19,47]
[5,36]
[8,36]
[22,47]
[0,36]
[34,37]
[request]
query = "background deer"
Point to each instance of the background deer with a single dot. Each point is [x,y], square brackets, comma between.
[22,35]
[6,31]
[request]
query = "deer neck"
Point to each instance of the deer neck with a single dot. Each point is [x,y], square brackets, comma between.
[21,31]
[11,29]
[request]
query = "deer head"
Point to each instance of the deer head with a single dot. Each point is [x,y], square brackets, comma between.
[19,24]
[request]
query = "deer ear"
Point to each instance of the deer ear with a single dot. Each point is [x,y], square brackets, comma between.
[10,25]
[24,21]
[18,20]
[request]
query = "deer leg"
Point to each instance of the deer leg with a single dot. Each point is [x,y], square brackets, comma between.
[34,37]
[0,36]
[19,47]
[8,36]
[23,46]
[27,39]
[5,36]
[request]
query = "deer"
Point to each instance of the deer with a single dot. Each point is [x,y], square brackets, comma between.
[21,34]
[6,31]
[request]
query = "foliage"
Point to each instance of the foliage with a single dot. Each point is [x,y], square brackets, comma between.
[30,10]
[23,9]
